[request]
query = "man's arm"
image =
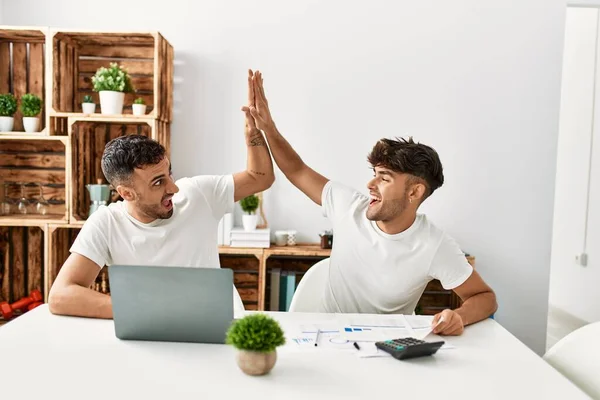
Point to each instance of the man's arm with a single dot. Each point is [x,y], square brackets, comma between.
[71,294]
[301,175]
[479,302]
[258,175]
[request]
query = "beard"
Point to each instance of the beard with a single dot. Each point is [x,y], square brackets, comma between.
[155,211]
[387,210]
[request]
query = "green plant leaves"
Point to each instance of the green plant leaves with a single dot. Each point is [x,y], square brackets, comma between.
[8,105]
[31,105]
[255,332]
[114,78]
[249,204]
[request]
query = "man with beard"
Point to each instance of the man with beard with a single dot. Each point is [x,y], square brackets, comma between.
[384,252]
[159,222]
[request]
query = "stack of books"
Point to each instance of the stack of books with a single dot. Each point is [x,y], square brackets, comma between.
[259,238]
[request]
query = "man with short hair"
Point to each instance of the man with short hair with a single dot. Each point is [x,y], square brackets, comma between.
[159,222]
[384,252]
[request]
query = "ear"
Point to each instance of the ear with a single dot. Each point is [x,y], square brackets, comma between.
[417,193]
[126,192]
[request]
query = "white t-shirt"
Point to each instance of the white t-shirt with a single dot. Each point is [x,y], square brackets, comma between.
[374,272]
[187,239]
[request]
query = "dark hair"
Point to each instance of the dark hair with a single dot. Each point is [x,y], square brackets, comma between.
[125,153]
[406,156]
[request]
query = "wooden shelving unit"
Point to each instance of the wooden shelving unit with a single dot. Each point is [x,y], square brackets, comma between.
[58,65]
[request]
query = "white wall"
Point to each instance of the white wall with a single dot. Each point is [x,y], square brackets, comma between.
[573,288]
[480,83]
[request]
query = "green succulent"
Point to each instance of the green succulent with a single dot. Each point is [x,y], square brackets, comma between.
[255,332]
[139,100]
[31,105]
[249,204]
[88,99]
[114,78]
[8,105]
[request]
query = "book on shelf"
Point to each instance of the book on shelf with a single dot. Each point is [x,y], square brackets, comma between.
[259,238]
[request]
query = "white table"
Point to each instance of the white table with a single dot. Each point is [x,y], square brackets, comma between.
[43,356]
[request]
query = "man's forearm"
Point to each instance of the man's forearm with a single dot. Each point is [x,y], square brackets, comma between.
[477,308]
[79,301]
[285,156]
[259,164]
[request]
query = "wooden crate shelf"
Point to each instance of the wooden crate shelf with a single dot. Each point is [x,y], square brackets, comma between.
[245,277]
[76,56]
[89,136]
[24,165]
[21,261]
[22,61]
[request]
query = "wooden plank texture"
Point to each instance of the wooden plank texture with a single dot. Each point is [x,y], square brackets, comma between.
[137,67]
[17,237]
[117,52]
[5,271]
[36,160]
[19,79]
[35,260]
[36,70]
[42,146]
[4,67]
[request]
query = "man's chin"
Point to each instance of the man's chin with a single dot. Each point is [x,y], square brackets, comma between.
[167,215]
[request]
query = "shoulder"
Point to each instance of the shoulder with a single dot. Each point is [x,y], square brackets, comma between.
[335,190]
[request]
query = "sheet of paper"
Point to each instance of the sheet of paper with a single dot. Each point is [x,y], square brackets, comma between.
[329,337]
[372,328]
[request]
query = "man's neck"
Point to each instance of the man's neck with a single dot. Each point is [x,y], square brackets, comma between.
[398,224]
[144,219]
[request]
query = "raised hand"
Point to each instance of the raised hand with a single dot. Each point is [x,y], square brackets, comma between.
[260,111]
[253,135]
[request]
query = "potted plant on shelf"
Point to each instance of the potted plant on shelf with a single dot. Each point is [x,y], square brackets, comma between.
[8,108]
[256,337]
[112,83]
[31,107]
[249,205]
[88,106]
[139,108]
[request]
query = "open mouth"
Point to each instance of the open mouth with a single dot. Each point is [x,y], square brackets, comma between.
[374,200]
[168,203]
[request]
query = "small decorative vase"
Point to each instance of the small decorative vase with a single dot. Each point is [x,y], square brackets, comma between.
[111,102]
[139,109]
[88,108]
[31,124]
[256,363]
[249,221]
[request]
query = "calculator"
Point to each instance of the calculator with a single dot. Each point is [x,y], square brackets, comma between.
[404,348]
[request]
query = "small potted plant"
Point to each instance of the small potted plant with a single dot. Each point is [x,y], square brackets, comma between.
[256,337]
[112,83]
[139,108]
[8,108]
[88,106]
[31,107]
[249,205]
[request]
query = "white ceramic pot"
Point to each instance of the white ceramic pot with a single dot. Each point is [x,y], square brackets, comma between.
[31,124]
[6,124]
[291,241]
[249,221]
[88,108]
[139,109]
[255,363]
[111,102]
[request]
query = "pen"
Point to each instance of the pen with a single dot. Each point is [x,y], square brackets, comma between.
[357,346]
[317,337]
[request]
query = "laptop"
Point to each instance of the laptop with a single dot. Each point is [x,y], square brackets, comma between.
[171,304]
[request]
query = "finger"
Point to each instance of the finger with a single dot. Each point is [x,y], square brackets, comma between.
[262,87]
[254,113]
[251,96]
[443,322]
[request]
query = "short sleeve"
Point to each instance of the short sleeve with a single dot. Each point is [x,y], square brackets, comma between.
[336,200]
[218,190]
[450,266]
[92,241]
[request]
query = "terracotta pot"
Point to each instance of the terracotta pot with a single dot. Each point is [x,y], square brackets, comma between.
[256,363]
